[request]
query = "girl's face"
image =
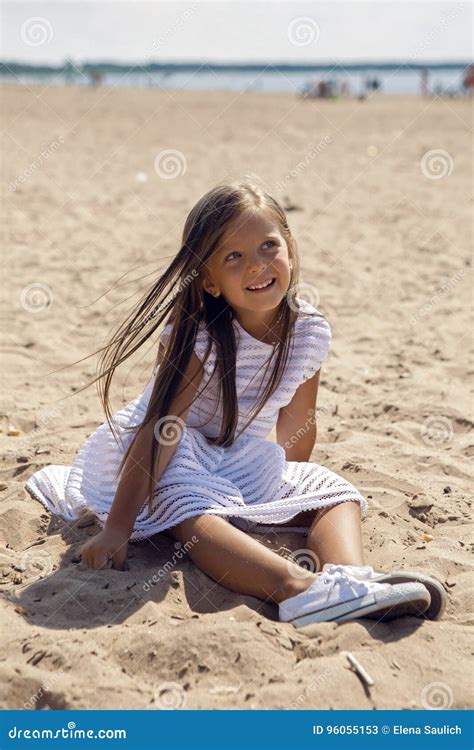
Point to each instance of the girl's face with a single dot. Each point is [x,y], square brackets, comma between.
[252,250]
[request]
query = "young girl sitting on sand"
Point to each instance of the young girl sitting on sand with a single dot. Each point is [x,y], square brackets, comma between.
[189,457]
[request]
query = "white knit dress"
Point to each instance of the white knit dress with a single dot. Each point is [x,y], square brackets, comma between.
[250,483]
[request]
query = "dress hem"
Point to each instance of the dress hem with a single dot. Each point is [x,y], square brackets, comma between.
[260,527]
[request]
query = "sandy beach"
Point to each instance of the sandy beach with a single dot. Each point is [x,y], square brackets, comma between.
[97,184]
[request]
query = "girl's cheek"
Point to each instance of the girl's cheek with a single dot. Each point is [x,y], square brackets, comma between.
[281,257]
[282,264]
[234,274]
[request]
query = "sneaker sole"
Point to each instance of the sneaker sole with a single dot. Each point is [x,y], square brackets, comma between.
[436,590]
[384,605]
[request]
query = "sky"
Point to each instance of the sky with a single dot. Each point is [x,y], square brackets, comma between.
[234,31]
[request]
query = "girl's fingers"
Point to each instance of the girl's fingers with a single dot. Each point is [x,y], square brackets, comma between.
[118,562]
[100,560]
[95,561]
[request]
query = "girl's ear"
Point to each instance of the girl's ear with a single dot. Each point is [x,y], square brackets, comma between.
[208,285]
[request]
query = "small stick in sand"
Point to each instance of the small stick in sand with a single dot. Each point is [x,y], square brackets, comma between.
[360,671]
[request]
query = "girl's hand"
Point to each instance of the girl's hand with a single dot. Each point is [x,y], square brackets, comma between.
[108,544]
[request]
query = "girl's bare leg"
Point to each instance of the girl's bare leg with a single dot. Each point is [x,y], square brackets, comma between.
[335,535]
[238,561]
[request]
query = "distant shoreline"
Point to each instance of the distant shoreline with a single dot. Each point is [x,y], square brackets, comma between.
[8,67]
[323,80]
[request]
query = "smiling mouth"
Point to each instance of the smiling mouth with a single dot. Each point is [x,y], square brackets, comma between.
[267,285]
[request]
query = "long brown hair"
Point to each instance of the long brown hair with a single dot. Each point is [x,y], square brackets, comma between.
[179,298]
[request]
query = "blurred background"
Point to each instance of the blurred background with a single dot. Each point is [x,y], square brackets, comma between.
[316,49]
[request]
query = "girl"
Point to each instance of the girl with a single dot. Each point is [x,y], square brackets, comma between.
[189,457]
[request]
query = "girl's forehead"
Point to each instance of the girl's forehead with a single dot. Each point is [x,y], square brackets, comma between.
[250,224]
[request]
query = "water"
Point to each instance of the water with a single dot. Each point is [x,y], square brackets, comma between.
[395,80]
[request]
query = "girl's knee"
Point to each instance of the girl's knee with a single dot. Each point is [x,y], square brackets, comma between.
[185,530]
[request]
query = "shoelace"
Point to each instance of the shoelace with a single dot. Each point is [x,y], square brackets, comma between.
[338,575]
[353,571]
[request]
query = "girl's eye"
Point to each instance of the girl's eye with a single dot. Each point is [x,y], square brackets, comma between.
[268,242]
[227,258]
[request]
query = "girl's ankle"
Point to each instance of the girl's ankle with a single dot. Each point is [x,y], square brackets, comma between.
[294,586]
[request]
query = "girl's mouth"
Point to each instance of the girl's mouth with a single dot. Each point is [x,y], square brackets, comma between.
[264,288]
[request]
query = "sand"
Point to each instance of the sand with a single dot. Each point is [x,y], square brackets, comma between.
[384,238]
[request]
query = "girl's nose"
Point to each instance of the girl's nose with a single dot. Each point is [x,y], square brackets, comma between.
[257,264]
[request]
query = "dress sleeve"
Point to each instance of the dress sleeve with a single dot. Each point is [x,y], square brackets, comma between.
[315,341]
[200,346]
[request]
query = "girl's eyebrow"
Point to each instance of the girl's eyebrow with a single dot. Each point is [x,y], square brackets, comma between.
[226,248]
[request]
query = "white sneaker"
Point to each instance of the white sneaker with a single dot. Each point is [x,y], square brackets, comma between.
[435,587]
[336,595]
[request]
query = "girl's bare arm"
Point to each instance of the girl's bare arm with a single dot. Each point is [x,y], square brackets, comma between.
[296,428]
[133,485]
